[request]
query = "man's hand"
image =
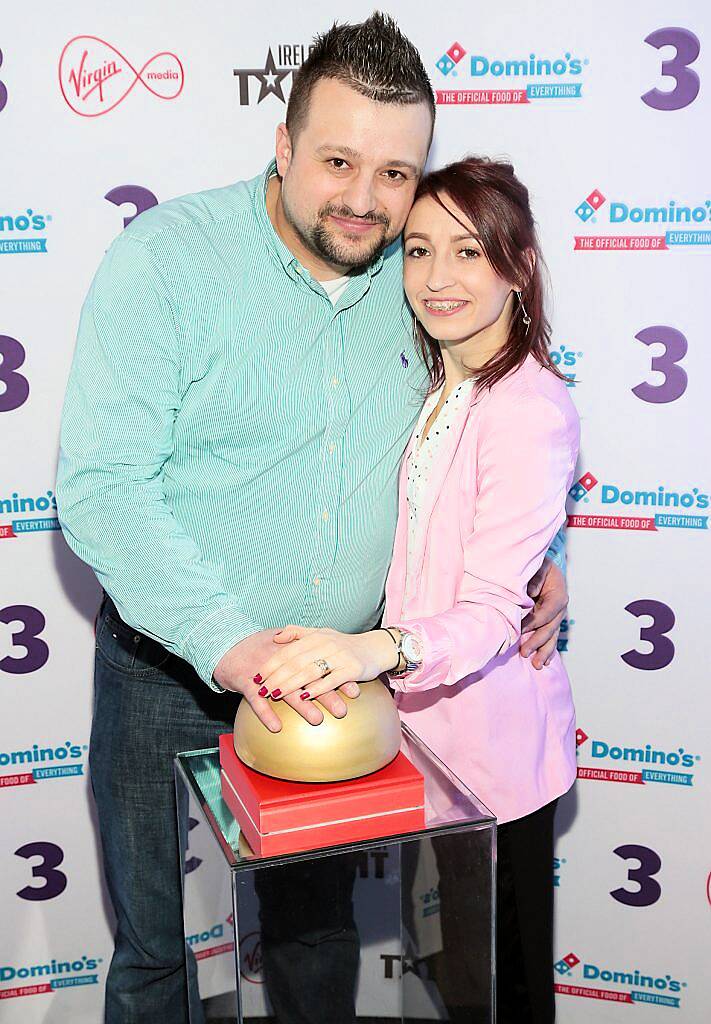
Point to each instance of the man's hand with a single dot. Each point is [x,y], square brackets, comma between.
[236,671]
[540,628]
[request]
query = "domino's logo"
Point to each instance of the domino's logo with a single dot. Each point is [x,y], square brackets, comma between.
[449,60]
[616,984]
[583,486]
[566,965]
[589,205]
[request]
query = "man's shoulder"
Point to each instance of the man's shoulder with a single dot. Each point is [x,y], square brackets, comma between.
[196,211]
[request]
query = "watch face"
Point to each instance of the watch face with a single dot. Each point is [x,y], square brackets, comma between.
[412,648]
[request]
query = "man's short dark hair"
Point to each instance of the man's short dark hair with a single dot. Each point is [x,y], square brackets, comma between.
[373,57]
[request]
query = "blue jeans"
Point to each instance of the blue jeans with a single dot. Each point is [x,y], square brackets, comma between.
[148,706]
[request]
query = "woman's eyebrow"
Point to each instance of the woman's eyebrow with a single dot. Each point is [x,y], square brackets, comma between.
[454,238]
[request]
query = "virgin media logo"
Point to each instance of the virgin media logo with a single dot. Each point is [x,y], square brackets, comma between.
[95,77]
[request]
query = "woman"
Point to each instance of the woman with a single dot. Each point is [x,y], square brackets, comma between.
[482,495]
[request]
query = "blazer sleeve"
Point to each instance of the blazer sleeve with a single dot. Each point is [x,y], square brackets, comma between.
[525,460]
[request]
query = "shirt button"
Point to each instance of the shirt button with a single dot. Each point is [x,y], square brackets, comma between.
[316,581]
[332,448]
[325,515]
[334,382]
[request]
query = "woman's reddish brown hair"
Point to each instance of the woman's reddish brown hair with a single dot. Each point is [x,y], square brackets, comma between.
[490,196]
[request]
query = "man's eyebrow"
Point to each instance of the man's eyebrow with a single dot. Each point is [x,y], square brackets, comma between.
[454,238]
[353,154]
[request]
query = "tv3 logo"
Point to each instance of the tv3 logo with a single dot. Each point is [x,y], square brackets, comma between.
[687,84]
[674,345]
[55,881]
[27,638]
[16,387]
[646,892]
[140,198]
[3,90]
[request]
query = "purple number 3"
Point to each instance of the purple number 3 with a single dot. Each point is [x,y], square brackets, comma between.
[686,90]
[36,650]
[662,653]
[55,882]
[649,889]
[17,388]
[675,379]
[3,89]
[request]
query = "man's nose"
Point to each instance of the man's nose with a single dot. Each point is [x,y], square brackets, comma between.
[359,195]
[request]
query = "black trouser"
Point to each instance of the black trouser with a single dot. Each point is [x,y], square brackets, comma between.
[525,919]
[524,929]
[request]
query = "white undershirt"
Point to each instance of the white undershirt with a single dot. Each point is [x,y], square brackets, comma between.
[335,288]
[422,458]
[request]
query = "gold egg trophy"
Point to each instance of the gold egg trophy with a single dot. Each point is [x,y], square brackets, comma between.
[311,786]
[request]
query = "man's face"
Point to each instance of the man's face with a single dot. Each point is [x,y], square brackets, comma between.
[349,179]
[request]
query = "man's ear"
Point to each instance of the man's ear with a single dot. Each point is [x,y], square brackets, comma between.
[283,149]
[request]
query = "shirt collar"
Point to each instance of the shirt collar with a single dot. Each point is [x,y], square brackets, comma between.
[278,247]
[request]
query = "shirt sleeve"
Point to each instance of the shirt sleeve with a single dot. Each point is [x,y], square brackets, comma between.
[122,400]
[556,551]
[525,460]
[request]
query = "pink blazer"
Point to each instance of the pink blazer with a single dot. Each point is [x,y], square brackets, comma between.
[497,500]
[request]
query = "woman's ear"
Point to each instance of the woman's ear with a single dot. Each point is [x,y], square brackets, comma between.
[530,258]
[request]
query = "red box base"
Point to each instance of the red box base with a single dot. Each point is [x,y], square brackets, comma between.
[287,817]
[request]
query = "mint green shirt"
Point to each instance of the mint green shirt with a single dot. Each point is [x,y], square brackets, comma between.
[231,440]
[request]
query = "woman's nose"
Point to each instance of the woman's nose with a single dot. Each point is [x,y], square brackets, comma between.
[441,275]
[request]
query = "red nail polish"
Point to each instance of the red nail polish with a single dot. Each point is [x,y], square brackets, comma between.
[263,692]
[257,678]
[305,695]
[276,694]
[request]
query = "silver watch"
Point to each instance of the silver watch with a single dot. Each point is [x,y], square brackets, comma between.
[410,647]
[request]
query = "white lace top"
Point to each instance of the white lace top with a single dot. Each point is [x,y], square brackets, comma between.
[424,454]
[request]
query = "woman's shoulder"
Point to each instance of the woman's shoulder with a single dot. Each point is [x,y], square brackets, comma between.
[532,390]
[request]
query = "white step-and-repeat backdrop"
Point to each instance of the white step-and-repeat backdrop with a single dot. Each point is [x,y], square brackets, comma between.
[605,112]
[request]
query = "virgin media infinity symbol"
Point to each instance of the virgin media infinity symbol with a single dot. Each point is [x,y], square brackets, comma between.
[95,77]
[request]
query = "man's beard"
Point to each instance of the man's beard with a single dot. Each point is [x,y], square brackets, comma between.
[319,239]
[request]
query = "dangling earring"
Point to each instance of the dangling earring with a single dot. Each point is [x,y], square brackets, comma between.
[525,317]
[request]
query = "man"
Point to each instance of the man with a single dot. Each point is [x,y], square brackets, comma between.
[244,386]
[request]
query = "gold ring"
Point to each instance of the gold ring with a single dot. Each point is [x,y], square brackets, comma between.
[323,665]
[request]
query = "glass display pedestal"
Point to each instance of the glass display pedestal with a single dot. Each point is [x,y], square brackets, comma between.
[399,928]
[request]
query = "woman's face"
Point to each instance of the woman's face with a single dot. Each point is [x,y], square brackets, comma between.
[454,291]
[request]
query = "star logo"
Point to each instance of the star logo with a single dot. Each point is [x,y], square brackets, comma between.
[270,79]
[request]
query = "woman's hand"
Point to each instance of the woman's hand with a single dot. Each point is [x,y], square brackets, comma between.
[349,657]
